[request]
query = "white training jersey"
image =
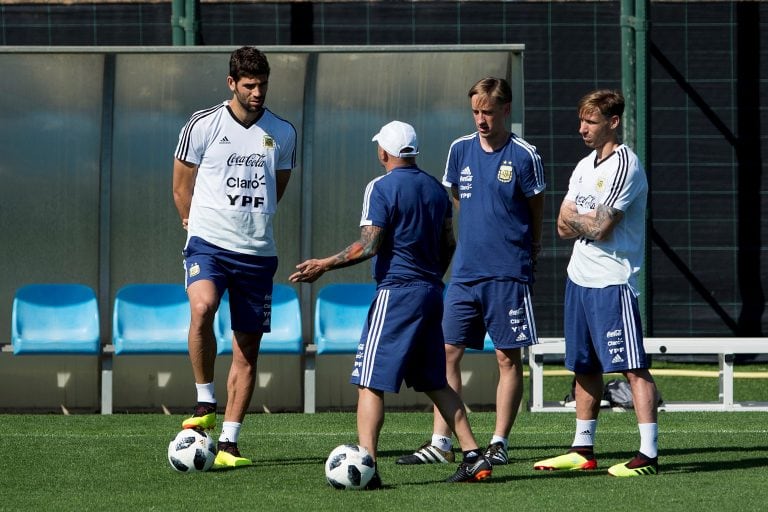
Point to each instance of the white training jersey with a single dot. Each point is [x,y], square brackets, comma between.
[617,181]
[235,194]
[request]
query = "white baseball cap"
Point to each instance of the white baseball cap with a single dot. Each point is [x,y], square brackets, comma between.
[398,139]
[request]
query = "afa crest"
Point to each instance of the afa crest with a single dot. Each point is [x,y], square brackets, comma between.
[506,173]
[269,142]
[600,185]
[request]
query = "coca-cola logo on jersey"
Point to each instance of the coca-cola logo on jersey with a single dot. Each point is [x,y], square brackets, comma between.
[587,201]
[252,160]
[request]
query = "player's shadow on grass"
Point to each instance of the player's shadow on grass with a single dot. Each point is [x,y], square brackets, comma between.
[668,464]
[703,466]
[754,457]
[396,454]
[293,461]
[669,460]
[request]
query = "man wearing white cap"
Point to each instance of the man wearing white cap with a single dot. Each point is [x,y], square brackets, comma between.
[407,225]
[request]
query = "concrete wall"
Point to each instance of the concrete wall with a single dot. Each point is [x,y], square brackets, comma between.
[164,383]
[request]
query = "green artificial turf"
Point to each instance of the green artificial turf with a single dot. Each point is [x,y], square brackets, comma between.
[709,461]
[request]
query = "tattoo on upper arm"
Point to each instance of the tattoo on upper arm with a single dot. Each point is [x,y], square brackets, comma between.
[371,237]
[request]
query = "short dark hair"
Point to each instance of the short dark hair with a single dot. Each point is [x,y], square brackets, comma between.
[496,88]
[247,61]
[609,102]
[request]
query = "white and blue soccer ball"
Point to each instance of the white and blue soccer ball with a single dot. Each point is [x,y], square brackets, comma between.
[191,450]
[349,466]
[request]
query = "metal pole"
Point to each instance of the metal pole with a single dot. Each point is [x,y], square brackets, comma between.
[306,300]
[641,80]
[634,82]
[628,84]
[642,145]
[177,18]
[191,23]
[105,230]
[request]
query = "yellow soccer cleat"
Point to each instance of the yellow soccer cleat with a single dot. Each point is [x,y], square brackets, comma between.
[571,461]
[639,466]
[228,457]
[204,418]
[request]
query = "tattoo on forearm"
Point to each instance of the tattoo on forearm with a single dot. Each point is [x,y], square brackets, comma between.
[593,227]
[605,214]
[350,253]
[366,247]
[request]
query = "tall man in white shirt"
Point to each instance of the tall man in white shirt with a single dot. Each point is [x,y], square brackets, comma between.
[232,165]
[604,211]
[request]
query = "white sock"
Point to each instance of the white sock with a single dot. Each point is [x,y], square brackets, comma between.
[498,439]
[442,442]
[649,433]
[230,431]
[585,433]
[205,393]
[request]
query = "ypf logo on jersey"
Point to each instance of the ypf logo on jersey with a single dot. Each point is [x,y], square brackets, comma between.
[506,172]
[465,183]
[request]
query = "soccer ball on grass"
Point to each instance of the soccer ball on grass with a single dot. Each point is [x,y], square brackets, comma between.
[191,450]
[349,466]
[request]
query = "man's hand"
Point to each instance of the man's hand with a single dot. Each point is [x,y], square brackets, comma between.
[308,271]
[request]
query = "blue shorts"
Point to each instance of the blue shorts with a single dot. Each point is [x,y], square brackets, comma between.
[248,279]
[603,331]
[402,340]
[503,308]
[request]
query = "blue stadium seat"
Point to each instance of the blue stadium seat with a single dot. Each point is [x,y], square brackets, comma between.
[285,337]
[55,319]
[150,319]
[340,313]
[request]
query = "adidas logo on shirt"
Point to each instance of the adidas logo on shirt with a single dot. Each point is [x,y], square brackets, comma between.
[617,359]
[521,337]
[224,140]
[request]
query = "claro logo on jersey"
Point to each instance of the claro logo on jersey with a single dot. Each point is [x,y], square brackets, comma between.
[240,185]
[254,183]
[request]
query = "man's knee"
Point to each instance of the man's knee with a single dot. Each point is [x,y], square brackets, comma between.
[509,359]
[453,354]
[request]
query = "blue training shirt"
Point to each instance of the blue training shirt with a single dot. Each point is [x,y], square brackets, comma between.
[494,221]
[411,206]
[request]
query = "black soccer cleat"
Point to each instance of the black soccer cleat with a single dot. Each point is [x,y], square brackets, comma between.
[497,454]
[476,471]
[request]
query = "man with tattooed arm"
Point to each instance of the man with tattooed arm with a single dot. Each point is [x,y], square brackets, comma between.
[604,211]
[407,225]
